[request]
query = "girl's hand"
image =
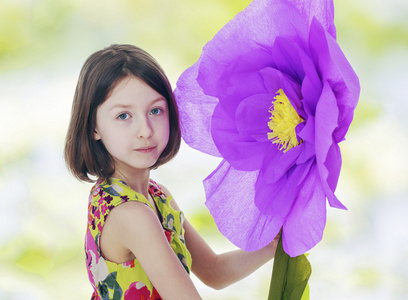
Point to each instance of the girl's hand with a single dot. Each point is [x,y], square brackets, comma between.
[274,244]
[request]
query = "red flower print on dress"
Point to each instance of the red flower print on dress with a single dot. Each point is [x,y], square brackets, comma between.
[168,234]
[139,291]
[129,264]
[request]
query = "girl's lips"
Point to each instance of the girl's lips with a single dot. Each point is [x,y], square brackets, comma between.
[145,149]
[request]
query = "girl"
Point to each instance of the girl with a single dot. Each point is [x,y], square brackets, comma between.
[124,123]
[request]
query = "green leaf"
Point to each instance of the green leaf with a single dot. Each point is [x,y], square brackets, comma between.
[290,276]
[305,295]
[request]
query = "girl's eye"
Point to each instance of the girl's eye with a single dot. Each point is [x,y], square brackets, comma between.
[124,116]
[156,111]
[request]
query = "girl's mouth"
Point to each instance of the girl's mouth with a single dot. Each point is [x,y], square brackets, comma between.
[145,149]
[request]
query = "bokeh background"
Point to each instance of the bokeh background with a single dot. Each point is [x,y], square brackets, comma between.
[43,44]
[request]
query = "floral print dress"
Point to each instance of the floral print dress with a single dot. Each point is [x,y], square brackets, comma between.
[128,280]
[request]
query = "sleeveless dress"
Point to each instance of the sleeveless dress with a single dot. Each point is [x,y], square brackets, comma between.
[127,281]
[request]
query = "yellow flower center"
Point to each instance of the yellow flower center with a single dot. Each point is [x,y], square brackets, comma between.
[283,121]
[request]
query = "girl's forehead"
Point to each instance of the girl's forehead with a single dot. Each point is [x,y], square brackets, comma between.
[132,91]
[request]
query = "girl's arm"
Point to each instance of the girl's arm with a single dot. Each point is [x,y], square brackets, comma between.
[137,229]
[220,270]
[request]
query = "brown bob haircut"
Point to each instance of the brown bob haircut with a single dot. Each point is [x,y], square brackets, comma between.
[101,72]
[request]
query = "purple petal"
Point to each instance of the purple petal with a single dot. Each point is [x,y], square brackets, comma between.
[242,152]
[242,39]
[233,81]
[307,133]
[311,85]
[336,70]
[195,111]
[293,92]
[304,226]
[230,195]
[234,87]
[272,79]
[322,10]
[276,199]
[286,56]
[307,153]
[277,163]
[252,116]
[327,153]
[275,80]
[348,90]
[259,24]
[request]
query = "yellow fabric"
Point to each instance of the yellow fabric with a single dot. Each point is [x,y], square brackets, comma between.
[128,280]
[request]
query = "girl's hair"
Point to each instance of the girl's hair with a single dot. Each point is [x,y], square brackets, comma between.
[101,72]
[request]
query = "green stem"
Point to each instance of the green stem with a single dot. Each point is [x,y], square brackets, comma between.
[278,279]
[290,276]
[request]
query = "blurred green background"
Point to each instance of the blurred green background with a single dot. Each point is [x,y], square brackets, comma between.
[43,44]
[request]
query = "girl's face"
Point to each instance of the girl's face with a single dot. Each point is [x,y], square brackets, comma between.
[133,124]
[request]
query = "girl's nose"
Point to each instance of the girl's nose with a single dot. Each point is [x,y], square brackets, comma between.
[144,129]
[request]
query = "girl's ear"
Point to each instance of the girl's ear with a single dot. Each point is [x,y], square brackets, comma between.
[96,136]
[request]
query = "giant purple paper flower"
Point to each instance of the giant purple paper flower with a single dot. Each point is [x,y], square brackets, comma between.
[273,95]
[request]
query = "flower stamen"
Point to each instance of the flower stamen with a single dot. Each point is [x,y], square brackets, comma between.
[283,122]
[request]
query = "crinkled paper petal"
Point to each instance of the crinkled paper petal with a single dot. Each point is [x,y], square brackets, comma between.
[307,153]
[327,152]
[336,70]
[275,80]
[195,109]
[304,227]
[242,152]
[271,79]
[234,87]
[311,85]
[259,24]
[230,198]
[287,59]
[276,199]
[322,10]
[277,163]
[252,117]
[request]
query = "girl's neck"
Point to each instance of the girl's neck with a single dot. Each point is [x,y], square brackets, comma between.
[138,180]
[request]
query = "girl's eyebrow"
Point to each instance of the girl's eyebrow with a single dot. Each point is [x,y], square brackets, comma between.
[119,105]
[161,98]
[127,106]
